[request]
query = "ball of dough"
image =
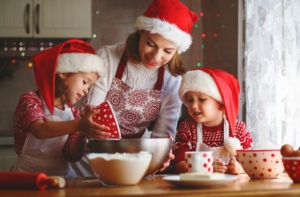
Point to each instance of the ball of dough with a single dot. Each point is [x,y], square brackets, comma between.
[296,153]
[287,150]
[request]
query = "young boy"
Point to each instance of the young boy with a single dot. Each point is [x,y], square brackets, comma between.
[212,99]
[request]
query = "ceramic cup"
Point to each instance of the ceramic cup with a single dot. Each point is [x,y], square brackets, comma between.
[199,161]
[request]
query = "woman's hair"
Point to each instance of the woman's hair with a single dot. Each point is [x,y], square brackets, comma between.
[132,49]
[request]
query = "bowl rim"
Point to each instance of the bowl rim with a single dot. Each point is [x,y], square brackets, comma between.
[122,156]
[257,150]
[291,158]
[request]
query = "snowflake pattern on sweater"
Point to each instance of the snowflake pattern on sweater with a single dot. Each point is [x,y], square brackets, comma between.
[186,137]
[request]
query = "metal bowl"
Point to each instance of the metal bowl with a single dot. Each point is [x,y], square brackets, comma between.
[158,147]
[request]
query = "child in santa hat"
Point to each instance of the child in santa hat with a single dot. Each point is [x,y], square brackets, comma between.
[211,96]
[45,118]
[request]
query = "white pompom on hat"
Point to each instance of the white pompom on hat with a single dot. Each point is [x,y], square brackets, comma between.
[71,56]
[171,19]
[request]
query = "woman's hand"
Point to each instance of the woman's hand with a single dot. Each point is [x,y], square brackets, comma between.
[91,129]
[234,167]
[219,166]
[171,156]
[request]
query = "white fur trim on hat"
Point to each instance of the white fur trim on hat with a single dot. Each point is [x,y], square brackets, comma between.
[199,81]
[169,31]
[79,62]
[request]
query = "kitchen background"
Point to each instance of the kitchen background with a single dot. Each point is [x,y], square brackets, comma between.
[30,26]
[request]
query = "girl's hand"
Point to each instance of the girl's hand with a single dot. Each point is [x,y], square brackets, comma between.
[219,166]
[91,129]
[234,167]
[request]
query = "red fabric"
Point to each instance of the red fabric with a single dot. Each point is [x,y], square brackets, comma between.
[229,89]
[186,137]
[45,67]
[174,12]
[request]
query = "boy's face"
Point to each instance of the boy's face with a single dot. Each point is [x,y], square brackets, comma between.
[77,85]
[203,108]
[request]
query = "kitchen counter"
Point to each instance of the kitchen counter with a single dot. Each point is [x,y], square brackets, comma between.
[155,186]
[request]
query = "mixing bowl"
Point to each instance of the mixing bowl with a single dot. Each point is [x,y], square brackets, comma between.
[261,164]
[158,147]
[120,168]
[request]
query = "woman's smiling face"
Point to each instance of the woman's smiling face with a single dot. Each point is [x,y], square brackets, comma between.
[155,50]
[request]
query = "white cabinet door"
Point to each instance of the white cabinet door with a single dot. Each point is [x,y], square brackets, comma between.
[46,18]
[62,19]
[15,18]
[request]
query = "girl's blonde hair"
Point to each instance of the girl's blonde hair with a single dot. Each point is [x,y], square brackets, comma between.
[132,49]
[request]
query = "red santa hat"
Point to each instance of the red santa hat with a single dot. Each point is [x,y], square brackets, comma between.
[72,56]
[171,19]
[218,84]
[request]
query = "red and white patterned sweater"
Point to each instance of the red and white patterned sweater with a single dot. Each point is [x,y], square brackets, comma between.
[186,137]
[30,109]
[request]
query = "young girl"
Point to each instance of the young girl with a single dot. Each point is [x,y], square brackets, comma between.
[212,99]
[45,118]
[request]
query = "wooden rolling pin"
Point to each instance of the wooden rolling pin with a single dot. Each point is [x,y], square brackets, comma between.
[30,180]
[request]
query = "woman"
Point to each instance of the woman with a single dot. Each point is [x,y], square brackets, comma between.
[143,75]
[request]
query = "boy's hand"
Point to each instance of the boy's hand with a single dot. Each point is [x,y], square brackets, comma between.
[180,167]
[234,167]
[219,166]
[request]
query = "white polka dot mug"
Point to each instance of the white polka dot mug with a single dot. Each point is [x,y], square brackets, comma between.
[199,161]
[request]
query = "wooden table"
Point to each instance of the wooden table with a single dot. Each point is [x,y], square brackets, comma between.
[155,186]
